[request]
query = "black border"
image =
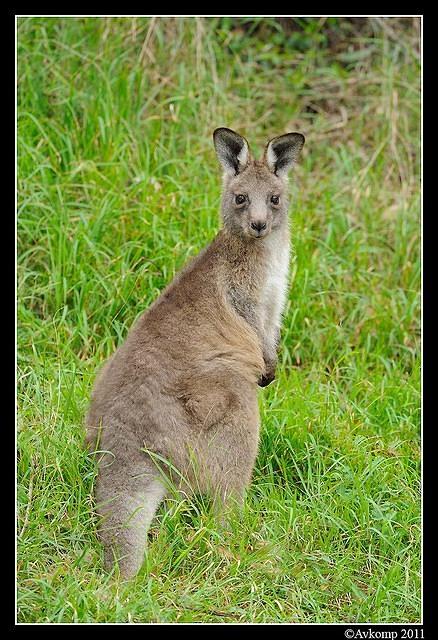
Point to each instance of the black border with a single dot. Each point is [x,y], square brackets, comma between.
[428,239]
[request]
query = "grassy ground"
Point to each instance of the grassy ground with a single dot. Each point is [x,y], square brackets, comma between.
[118,186]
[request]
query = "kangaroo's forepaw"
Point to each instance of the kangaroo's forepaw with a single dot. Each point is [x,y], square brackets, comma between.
[266,379]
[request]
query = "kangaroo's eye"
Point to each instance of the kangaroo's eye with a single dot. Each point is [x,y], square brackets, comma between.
[275,199]
[240,198]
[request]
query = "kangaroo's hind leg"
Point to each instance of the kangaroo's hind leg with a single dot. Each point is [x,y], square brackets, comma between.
[128,493]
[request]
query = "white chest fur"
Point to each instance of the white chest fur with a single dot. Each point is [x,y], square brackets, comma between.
[275,288]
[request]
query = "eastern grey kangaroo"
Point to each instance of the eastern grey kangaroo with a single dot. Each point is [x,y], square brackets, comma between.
[183,385]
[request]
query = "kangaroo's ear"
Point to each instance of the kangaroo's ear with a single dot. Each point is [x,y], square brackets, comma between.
[232,150]
[282,152]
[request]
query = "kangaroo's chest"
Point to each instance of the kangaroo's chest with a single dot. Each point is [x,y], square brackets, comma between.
[274,291]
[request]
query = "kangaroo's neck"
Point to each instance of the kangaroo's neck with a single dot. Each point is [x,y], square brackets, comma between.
[256,277]
[251,261]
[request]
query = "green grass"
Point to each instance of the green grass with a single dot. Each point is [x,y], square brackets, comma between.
[118,187]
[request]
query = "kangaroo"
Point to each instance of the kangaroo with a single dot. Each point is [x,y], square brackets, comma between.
[183,386]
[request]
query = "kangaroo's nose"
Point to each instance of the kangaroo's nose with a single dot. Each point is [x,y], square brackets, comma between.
[258,226]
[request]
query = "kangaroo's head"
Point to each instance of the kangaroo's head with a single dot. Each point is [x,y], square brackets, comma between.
[254,198]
